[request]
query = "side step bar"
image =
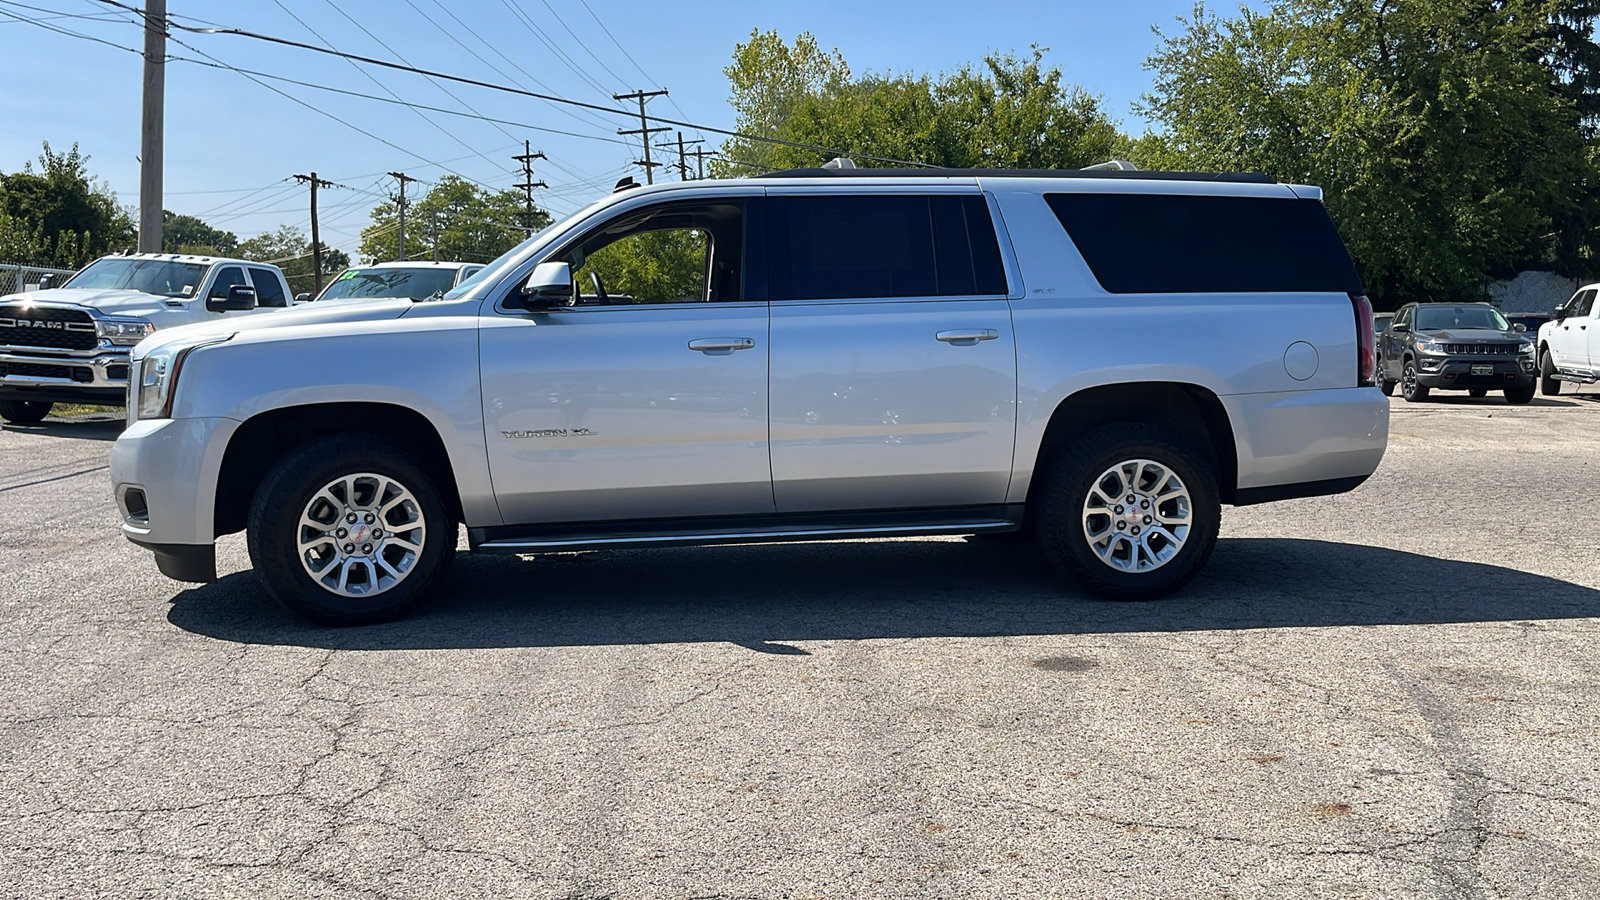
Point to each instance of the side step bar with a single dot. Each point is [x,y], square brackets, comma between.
[1576,377]
[700,537]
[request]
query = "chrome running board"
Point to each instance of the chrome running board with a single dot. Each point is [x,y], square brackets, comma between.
[558,543]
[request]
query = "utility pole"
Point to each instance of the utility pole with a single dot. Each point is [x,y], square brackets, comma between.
[402,178]
[527,183]
[644,131]
[316,239]
[700,154]
[152,125]
[433,233]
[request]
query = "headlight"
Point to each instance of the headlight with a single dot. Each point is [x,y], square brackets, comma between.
[1430,347]
[124,332]
[158,376]
[1527,348]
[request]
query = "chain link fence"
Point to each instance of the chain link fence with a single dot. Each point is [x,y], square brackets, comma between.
[15,279]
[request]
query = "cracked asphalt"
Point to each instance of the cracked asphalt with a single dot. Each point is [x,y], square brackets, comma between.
[1389,693]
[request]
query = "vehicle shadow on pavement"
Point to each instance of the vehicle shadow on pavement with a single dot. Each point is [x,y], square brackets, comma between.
[87,428]
[764,596]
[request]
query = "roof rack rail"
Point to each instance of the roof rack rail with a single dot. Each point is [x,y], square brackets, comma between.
[1111,165]
[1091,172]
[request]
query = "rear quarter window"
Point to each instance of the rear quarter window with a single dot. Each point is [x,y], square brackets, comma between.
[1185,243]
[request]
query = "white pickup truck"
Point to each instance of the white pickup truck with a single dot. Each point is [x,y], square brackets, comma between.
[70,344]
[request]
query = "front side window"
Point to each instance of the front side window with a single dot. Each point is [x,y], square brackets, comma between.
[673,253]
[148,276]
[1581,304]
[1404,316]
[227,277]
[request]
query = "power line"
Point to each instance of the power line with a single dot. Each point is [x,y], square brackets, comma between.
[555,48]
[601,22]
[644,131]
[239,32]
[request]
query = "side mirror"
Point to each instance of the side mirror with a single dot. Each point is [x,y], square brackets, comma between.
[1559,314]
[549,287]
[302,298]
[238,298]
[47,281]
[1519,327]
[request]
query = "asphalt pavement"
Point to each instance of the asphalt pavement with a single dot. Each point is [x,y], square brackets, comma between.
[1389,693]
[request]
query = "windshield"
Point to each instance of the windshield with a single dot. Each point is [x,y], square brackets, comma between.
[148,276]
[365,284]
[1438,318]
[492,273]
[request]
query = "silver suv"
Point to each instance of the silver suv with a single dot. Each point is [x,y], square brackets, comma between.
[1100,358]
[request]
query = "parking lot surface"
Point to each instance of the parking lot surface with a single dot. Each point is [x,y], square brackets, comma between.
[1389,693]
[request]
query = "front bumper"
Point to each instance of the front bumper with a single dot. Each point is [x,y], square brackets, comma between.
[64,376]
[1448,373]
[164,476]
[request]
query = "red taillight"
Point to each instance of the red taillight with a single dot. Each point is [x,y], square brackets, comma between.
[1365,348]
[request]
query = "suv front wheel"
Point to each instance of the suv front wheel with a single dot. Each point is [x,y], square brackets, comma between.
[1409,388]
[1129,511]
[349,530]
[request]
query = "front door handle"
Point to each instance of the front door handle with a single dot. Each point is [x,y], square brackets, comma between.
[721,346]
[967,337]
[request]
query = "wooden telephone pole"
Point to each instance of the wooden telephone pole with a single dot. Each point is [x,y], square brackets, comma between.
[316,238]
[152,126]
[644,130]
[402,178]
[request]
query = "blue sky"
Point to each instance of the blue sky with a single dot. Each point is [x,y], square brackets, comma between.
[230,143]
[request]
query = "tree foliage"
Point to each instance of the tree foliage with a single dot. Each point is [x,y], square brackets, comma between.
[290,249]
[187,234]
[1010,111]
[473,224]
[1446,139]
[653,267]
[57,216]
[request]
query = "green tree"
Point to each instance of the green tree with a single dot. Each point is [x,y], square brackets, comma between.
[1008,112]
[1449,150]
[473,224]
[290,250]
[56,215]
[653,267]
[187,234]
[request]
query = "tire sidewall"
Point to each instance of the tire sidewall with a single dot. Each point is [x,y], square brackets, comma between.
[283,496]
[1074,472]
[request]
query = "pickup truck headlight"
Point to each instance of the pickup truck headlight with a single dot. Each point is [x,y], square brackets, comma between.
[1430,347]
[158,376]
[124,332]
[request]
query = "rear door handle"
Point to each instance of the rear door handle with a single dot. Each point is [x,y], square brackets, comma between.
[967,337]
[721,346]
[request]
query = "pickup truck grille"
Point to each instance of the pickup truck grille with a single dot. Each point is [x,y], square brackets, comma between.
[44,326]
[1482,349]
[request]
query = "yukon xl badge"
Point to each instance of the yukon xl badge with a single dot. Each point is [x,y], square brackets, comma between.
[549,432]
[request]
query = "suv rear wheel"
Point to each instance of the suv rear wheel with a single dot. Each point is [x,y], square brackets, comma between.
[25,412]
[349,530]
[1409,388]
[1129,511]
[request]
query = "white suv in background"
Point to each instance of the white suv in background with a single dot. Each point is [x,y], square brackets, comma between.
[1103,358]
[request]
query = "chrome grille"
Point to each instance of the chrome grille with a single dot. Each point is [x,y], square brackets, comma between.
[46,326]
[1482,349]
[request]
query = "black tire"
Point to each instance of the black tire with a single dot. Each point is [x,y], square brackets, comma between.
[1522,393]
[1479,392]
[1409,388]
[288,491]
[1548,385]
[1384,384]
[1079,469]
[25,412]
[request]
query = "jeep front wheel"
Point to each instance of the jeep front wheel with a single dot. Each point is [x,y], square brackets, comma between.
[1129,512]
[1410,389]
[25,412]
[349,530]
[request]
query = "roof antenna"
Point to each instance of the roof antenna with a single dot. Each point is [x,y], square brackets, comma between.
[839,162]
[1111,165]
[626,183]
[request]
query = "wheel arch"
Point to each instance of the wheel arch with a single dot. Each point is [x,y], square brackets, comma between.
[265,438]
[1191,411]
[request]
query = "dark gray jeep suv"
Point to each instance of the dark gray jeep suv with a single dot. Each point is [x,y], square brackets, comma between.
[1455,347]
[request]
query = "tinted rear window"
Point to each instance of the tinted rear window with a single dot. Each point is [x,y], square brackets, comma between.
[1165,243]
[836,247]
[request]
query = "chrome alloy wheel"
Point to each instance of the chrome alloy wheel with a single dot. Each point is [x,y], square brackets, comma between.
[361,535]
[1137,515]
